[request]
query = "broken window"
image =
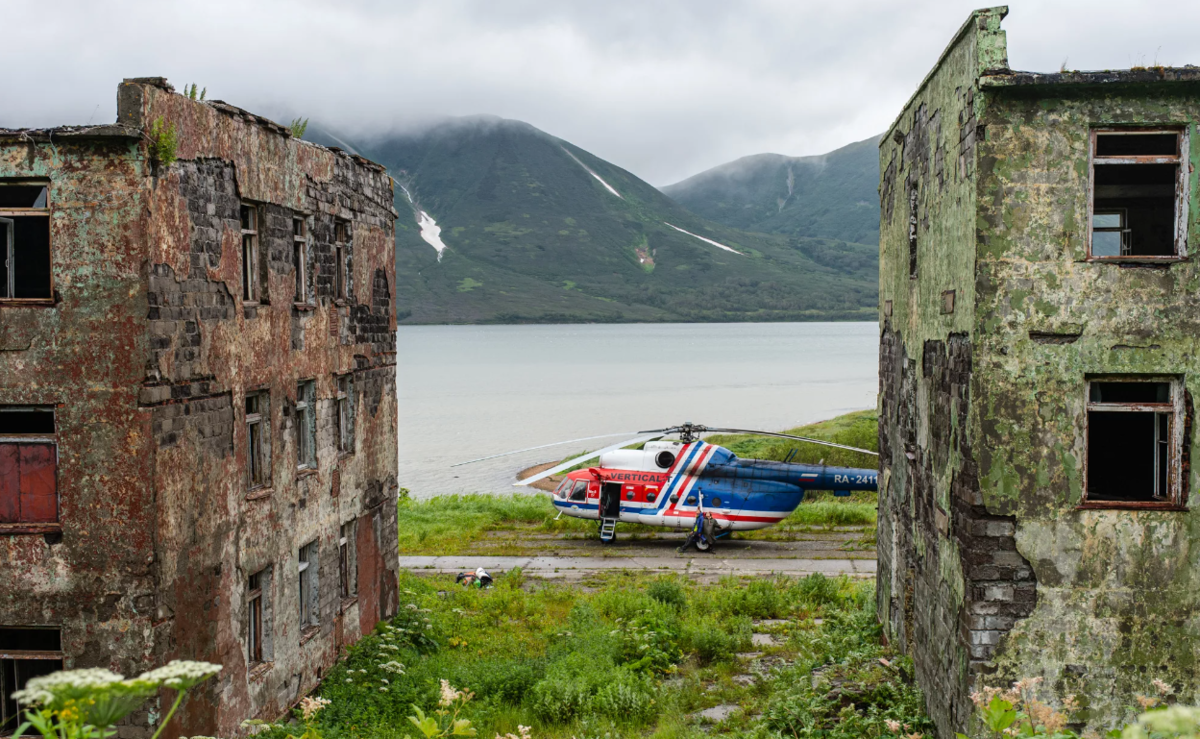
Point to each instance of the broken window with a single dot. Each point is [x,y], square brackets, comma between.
[345,414]
[28,466]
[25,652]
[1134,438]
[1138,194]
[258,441]
[309,606]
[912,230]
[306,425]
[341,239]
[24,241]
[347,563]
[258,641]
[251,275]
[300,258]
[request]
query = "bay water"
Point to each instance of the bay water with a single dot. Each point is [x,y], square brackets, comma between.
[472,391]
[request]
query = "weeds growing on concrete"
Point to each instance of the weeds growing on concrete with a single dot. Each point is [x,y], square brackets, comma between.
[637,656]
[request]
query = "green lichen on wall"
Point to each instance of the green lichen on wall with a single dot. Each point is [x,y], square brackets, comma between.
[1118,590]
[989,570]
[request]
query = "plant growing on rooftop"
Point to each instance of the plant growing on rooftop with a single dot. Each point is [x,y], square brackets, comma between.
[163,142]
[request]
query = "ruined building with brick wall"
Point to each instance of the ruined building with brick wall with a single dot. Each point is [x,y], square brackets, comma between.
[1039,312]
[197,402]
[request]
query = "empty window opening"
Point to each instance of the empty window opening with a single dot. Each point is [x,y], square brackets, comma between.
[24,241]
[258,614]
[912,231]
[309,607]
[1137,194]
[306,425]
[300,258]
[24,653]
[345,414]
[341,238]
[28,466]
[580,491]
[347,563]
[250,270]
[1133,442]
[258,443]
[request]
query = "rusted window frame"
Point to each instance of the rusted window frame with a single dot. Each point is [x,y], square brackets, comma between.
[24,655]
[251,272]
[258,458]
[309,583]
[1182,182]
[254,614]
[347,563]
[1175,479]
[343,409]
[300,260]
[9,213]
[341,242]
[306,425]
[39,438]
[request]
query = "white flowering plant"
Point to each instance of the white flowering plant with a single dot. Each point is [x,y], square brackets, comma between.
[88,703]
[445,721]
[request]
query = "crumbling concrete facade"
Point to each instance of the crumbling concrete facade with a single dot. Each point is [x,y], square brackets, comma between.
[1038,314]
[197,402]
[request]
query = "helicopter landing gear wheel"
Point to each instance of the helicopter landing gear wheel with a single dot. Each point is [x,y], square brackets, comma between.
[703,546]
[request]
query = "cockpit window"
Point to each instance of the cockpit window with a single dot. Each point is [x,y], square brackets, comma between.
[580,491]
[564,488]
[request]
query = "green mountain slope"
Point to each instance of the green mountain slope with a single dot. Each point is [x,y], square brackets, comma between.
[832,196]
[538,230]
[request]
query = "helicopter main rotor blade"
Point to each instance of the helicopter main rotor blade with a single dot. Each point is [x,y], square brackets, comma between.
[789,436]
[590,455]
[543,446]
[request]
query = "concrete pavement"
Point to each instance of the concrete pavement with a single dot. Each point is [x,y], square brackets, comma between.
[698,566]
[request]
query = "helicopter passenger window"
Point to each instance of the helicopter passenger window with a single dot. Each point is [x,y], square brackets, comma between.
[580,491]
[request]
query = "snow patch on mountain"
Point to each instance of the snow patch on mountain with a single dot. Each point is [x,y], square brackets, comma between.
[430,231]
[607,186]
[707,241]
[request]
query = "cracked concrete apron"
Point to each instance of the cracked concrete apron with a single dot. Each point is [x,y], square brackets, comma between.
[574,568]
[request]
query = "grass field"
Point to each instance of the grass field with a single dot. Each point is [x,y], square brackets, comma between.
[628,656]
[452,524]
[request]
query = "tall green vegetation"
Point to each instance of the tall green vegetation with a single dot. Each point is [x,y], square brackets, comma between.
[629,656]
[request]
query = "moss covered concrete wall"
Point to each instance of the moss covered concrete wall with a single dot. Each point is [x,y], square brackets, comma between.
[989,569]
[1118,590]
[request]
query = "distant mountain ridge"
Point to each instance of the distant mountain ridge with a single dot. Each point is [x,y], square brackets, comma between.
[831,196]
[538,230]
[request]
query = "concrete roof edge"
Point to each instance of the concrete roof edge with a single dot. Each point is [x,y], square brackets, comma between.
[105,131]
[1144,75]
[1001,10]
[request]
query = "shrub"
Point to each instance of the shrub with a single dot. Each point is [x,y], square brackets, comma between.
[712,640]
[819,590]
[625,696]
[668,592]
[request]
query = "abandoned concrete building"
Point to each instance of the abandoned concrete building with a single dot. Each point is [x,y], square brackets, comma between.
[1038,368]
[197,402]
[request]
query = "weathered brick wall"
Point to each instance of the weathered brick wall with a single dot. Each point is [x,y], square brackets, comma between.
[210,350]
[83,353]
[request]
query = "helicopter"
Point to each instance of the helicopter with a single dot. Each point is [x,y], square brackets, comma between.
[674,483]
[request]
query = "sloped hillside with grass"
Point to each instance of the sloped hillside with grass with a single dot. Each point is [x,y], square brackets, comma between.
[830,196]
[538,230]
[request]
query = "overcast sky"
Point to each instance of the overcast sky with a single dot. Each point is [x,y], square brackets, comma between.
[664,88]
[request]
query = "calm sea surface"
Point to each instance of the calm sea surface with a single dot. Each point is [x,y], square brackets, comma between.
[471,391]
